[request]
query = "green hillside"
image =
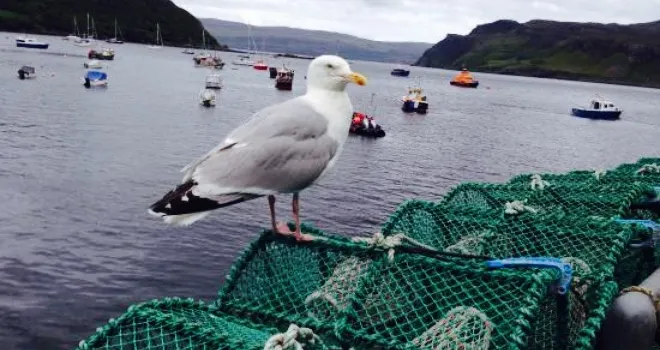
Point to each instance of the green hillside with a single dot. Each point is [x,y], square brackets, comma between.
[136,18]
[613,53]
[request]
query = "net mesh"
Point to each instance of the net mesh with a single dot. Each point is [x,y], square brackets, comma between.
[433,289]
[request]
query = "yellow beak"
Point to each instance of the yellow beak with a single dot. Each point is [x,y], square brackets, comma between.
[357,78]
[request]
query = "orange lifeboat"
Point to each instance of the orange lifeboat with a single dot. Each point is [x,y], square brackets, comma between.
[464,79]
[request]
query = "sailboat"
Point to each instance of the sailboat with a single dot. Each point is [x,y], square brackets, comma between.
[86,40]
[114,39]
[244,60]
[159,38]
[261,63]
[76,33]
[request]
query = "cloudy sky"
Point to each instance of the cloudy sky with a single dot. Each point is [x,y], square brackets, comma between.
[416,20]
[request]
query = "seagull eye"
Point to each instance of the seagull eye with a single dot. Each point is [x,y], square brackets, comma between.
[329,65]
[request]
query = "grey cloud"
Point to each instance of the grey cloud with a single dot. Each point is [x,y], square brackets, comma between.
[417,20]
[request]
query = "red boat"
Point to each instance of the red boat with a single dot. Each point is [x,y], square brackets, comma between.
[260,65]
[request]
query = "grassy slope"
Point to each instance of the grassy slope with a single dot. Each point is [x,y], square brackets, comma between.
[137,19]
[610,53]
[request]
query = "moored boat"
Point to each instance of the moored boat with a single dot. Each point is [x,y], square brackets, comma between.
[213,81]
[415,101]
[598,109]
[364,125]
[30,43]
[284,80]
[95,78]
[207,98]
[260,65]
[464,79]
[26,72]
[400,72]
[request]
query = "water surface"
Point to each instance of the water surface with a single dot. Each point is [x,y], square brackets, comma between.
[79,167]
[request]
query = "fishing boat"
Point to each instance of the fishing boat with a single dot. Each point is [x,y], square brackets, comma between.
[188,51]
[273,72]
[102,54]
[95,78]
[30,43]
[93,64]
[599,108]
[207,98]
[213,81]
[26,72]
[115,39]
[400,72]
[159,39]
[415,101]
[284,80]
[464,79]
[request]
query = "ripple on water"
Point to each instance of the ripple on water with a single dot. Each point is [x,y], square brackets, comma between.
[78,168]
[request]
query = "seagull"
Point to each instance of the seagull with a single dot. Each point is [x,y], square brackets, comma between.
[281,149]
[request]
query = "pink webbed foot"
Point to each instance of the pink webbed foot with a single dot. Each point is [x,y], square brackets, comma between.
[283,229]
[302,237]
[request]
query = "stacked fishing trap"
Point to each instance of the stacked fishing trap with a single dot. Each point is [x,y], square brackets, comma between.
[530,264]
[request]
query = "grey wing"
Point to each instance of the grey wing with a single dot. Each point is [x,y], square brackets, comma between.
[294,117]
[279,164]
[283,148]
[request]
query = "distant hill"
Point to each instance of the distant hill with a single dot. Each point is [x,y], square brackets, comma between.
[314,42]
[136,18]
[613,53]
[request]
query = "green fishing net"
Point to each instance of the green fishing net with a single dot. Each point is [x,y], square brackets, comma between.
[425,282]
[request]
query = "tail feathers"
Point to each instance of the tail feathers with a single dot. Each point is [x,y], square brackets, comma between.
[181,207]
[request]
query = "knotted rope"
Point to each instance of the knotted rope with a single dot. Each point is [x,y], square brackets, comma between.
[294,338]
[649,169]
[378,240]
[644,290]
[538,182]
[518,207]
[462,328]
[599,173]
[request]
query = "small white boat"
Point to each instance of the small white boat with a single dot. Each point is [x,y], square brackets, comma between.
[72,37]
[30,43]
[599,108]
[93,64]
[243,61]
[207,98]
[83,42]
[214,81]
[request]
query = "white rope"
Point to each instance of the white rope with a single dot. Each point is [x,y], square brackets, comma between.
[518,207]
[389,242]
[294,338]
[538,182]
[649,169]
[599,173]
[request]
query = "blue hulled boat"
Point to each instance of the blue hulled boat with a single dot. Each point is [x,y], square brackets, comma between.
[598,109]
[400,72]
[95,78]
[30,43]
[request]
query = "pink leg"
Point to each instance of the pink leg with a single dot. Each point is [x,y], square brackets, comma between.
[280,228]
[296,217]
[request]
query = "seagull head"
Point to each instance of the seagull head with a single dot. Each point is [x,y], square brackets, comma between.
[332,73]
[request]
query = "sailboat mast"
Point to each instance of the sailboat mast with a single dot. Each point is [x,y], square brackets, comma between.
[87,34]
[115,28]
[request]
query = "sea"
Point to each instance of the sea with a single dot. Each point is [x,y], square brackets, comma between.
[79,167]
